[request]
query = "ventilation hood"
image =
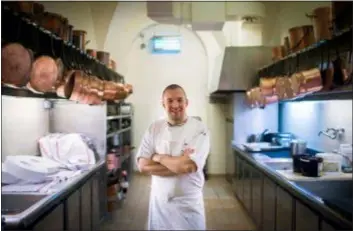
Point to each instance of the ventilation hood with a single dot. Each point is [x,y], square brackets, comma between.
[239,69]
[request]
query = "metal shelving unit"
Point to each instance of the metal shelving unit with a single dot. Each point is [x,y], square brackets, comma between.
[118,140]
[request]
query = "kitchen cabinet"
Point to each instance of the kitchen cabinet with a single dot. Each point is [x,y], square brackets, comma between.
[256,196]
[86,202]
[305,218]
[326,227]
[53,221]
[284,209]
[95,201]
[269,205]
[272,206]
[247,186]
[239,183]
[72,211]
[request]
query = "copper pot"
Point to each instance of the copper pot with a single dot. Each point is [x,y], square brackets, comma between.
[110,90]
[322,18]
[112,65]
[267,86]
[259,97]
[54,23]
[92,91]
[79,39]
[286,45]
[16,64]
[103,57]
[44,74]
[278,53]
[66,87]
[312,80]
[301,37]
[92,53]
[281,88]
[77,77]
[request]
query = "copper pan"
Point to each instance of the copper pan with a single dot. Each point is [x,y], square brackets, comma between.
[66,86]
[110,90]
[313,80]
[16,64]
[267,86]
[301,37]
[44,74]
[322,20]
[77,89]
[90,91]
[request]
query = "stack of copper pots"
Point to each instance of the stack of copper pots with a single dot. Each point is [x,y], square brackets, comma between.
[86,89]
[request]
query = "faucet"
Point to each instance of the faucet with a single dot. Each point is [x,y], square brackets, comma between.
[334,132]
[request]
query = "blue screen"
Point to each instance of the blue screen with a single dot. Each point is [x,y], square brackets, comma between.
[165,45]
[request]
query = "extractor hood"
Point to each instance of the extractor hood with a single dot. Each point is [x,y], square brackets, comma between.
[239,69]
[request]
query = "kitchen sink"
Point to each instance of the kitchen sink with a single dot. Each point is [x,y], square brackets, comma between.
[12,204]
[280,165]
[328,189]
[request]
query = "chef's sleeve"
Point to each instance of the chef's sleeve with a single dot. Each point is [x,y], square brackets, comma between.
[146,149]
[201,147]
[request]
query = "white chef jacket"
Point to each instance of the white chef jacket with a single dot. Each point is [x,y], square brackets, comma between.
[176,202]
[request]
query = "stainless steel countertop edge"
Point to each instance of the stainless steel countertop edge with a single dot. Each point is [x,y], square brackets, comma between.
[30,215]
[297,191]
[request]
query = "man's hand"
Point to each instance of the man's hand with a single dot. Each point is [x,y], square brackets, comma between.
[177,164]
[157,157]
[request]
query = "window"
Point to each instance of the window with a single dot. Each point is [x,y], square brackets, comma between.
[165,45]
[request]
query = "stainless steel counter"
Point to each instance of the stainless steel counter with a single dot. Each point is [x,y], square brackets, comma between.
[27,217]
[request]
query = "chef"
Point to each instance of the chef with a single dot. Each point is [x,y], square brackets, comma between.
[174,151]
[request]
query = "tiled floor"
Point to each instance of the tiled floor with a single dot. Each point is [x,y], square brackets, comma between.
[223,211]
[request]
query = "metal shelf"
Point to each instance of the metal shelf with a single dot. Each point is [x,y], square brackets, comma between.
[43,42]
[316,55]
[23,92]
[118,132]
[118,117]
[341,93]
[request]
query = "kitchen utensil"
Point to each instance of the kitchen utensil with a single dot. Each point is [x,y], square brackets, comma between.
[297,147]
[322,20]
[311,80]
[103,57]
[44,74]
[301,37]
[331,162]
[16,64]
[311,166]
[92,52]
[267,86]
[54,23]
[277,53]
[79,39]
[286,46]
[66,87]
[297,162]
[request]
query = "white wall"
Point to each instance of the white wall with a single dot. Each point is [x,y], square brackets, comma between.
[307,119]
[23,122]
[252,121]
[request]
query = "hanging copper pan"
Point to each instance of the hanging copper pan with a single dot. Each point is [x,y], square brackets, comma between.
[16,64]
[44,74]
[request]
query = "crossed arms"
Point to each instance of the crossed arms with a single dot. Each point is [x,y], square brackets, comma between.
[166,165]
